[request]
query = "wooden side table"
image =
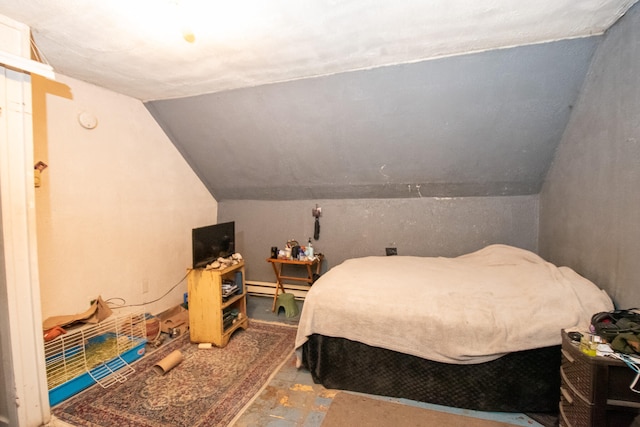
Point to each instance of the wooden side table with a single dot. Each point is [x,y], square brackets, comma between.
[278,264]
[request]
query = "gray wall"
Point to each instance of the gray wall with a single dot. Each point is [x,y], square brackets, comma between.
[362,227]
[481,124]
[590,202]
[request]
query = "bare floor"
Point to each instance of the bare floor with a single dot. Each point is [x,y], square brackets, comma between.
[291,399]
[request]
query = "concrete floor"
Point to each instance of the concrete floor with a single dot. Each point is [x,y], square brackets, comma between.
[259,308]
[291,399]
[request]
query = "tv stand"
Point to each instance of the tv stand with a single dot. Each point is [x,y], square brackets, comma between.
[211,317]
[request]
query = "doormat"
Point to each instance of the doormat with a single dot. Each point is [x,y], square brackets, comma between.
[209,387]
[348,410]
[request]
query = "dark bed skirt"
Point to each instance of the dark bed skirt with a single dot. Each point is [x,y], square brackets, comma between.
[524,381]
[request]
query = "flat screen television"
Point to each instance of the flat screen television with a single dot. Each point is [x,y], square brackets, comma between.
[212,242]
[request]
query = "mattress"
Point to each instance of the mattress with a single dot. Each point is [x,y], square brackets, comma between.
[469,309]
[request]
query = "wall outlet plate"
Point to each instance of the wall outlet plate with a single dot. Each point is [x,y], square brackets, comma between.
[391,251]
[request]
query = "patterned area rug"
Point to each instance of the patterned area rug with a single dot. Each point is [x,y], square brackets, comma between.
[208,388]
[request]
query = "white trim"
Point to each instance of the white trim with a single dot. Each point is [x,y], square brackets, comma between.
[28,65]
[22,346]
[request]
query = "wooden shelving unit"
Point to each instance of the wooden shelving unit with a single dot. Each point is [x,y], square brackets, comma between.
[207,307]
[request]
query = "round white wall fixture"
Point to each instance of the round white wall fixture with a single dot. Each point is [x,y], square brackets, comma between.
[87,120]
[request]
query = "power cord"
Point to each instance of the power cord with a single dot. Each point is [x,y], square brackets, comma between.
[109,301]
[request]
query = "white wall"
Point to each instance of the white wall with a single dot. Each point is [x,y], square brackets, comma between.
[117,203]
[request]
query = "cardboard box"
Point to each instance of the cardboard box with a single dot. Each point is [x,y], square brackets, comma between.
[174,320]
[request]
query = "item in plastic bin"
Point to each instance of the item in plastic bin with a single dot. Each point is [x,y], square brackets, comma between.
[575,336]
[589,344]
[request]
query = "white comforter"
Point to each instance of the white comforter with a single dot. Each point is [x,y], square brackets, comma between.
[469,309]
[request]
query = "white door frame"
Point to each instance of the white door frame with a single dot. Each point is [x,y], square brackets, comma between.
[21,345]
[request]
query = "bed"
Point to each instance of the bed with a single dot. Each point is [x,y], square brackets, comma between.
[479,331]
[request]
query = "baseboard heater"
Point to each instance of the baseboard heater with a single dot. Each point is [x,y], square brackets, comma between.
[257,288]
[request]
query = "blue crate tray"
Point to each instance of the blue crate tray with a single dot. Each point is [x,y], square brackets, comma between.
[75,385]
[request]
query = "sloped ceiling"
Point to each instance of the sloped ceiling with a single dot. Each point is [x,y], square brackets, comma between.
[292,99]
[472,125]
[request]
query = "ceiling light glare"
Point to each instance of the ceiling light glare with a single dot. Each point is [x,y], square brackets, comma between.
[188,35]
[220,20]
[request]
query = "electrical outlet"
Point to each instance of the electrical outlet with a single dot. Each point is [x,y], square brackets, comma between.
[391,251]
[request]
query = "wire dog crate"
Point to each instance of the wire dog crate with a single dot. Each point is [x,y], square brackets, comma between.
[99,353]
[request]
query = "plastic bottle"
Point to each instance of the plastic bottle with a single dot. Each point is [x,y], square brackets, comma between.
[309,249]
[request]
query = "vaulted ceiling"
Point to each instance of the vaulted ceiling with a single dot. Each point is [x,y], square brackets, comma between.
[295,99]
